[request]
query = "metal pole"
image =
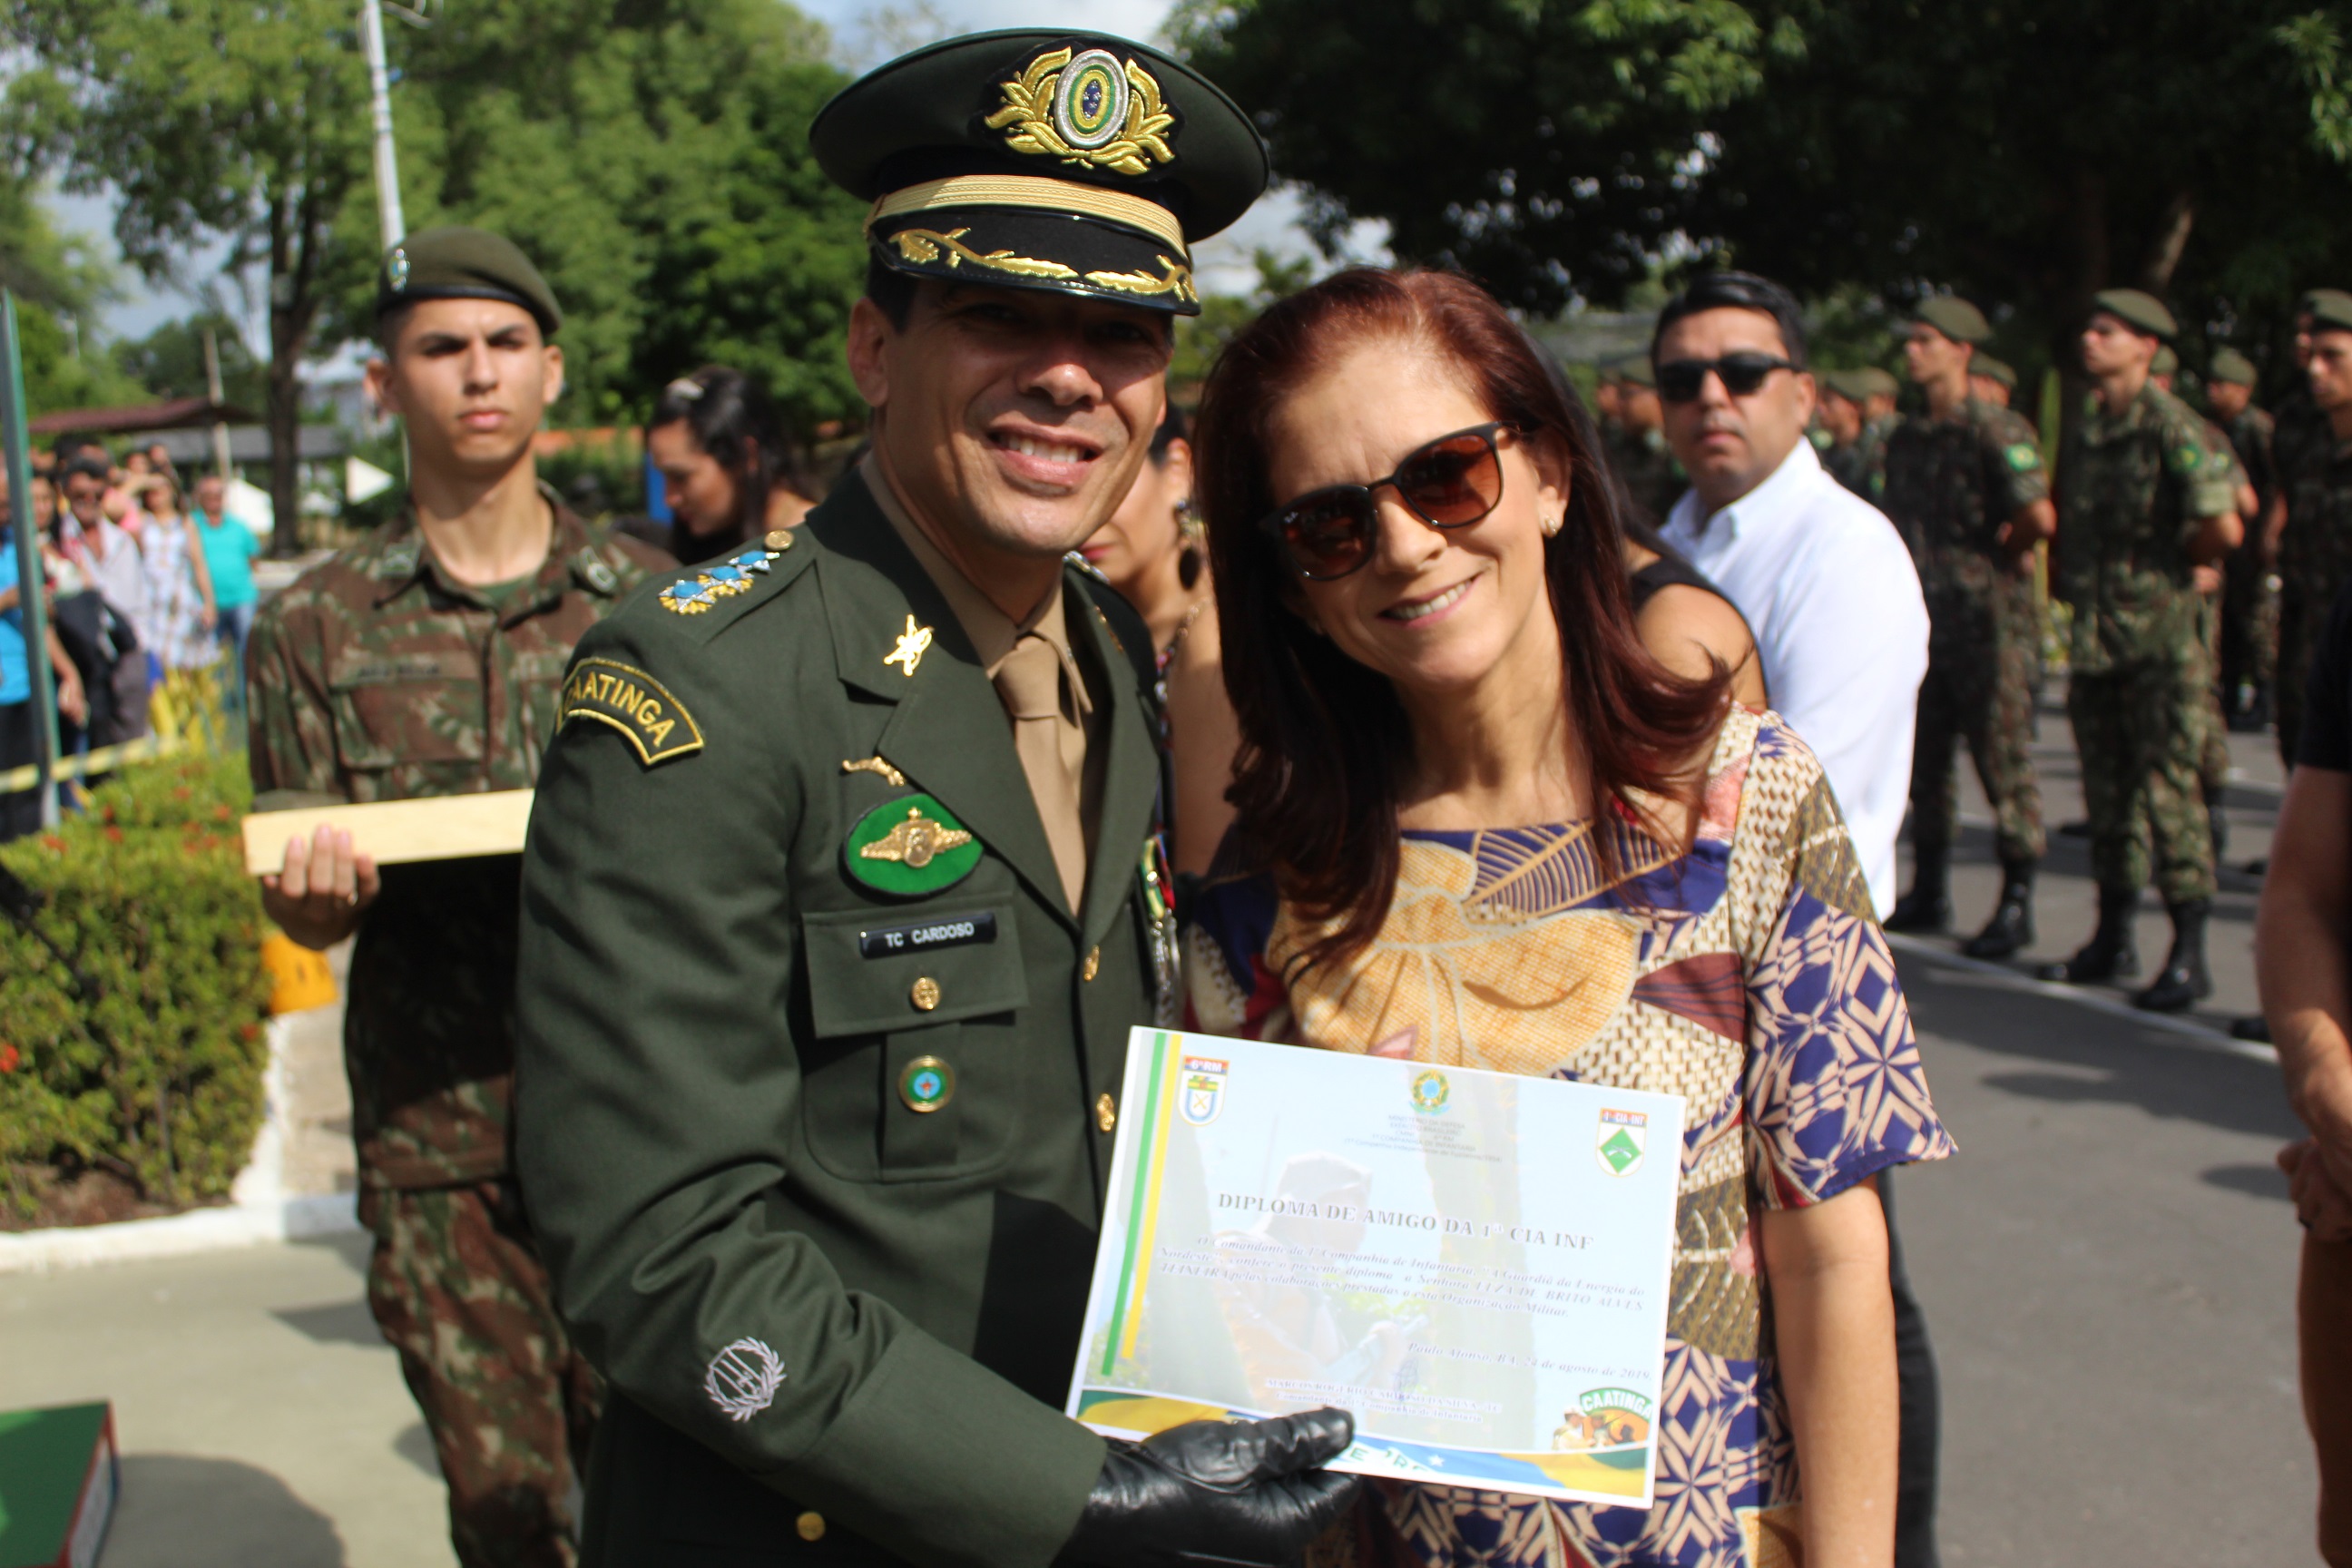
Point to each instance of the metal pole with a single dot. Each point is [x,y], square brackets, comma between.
[387,167]
[213,390]
[18,449]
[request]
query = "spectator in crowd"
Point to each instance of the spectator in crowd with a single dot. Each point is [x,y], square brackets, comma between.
[177,629]
[111,565]
[1835,602]
[229,549]
[2302,963]
[20,810]
[1151,552]
[728,471]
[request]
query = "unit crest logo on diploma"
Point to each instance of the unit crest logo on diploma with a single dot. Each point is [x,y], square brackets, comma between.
[1624,1139]
[1204,1089]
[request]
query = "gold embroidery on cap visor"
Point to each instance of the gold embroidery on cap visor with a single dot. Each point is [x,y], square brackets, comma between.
[1084,127]
[1037,190]
[925,246]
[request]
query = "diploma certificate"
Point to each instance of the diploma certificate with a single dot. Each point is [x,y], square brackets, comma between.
[1477,1264]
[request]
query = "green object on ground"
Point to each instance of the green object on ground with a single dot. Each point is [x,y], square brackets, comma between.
[57,1483]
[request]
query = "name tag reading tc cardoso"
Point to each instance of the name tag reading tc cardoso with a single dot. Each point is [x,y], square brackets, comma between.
[922,936]
[635,704]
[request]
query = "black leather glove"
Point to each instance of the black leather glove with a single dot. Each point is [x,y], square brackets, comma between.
[1209,1493]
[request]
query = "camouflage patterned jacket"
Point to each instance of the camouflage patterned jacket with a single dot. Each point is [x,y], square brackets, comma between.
[2315,551]
[1951,482]
[375,676]
[2132,486]
[2251,436]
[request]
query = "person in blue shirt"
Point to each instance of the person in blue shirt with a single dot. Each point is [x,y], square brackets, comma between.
[229,551]
[20,811]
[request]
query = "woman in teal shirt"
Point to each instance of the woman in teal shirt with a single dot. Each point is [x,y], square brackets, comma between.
[229,551]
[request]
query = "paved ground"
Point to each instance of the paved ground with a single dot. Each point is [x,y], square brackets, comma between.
[2108,1269]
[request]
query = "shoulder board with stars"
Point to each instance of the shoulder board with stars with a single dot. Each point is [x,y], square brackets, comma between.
[716,580]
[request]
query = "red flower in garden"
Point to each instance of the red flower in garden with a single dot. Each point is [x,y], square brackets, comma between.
[8,1057]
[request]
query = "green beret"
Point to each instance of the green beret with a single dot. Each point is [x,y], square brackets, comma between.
[1880,382]
[458,263]
[2233,369]
[2332,310]
[1955,318]
[1637,372]
[1076,162]
[1853,386]
[2142,313]
[2166,363]
[2313,298]
[1992,369]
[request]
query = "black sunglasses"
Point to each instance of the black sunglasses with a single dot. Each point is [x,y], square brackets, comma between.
[1679,380]
[1451,482]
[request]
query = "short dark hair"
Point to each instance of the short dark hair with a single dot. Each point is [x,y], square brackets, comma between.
[892,291]
[1737,291]
[90,463]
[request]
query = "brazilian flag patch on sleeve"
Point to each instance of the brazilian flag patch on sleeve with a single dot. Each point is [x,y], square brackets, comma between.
[2024,457]
[635,704]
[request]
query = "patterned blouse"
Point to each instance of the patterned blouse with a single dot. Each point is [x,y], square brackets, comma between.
[1748,976]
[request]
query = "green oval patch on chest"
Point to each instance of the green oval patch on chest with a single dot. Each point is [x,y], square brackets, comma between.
[910,847]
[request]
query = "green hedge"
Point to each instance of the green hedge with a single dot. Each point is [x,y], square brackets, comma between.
[131,1038]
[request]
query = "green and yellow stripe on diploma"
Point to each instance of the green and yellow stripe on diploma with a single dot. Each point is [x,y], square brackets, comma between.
[1143,1213]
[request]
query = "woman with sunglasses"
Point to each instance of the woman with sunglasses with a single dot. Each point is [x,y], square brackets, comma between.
[1479,823]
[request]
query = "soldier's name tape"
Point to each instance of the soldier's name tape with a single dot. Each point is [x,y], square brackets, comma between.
[105,759]
[925,936]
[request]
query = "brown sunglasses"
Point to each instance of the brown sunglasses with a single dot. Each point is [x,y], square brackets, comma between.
[1451,482]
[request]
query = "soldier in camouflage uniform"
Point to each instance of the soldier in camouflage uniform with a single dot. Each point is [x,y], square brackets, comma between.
[1990,380]
[1965,488]
[1843,394]
[2247,640]
[1653,480]
[427,662]
[2314,548]
[2139,509]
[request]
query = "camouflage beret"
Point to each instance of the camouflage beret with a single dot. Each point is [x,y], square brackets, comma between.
[1853,386]
[458,263]
[2143,313]
[1955,318]
[1992,369]
[2331,310]
[2232,369]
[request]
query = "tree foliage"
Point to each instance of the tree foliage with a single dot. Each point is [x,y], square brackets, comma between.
[1545,148]
[653,158]
[169,361]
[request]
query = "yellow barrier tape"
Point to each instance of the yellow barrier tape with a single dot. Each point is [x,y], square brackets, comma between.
[104,760]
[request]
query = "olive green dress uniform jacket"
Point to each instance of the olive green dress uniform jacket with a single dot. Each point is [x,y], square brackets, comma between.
[712,1137]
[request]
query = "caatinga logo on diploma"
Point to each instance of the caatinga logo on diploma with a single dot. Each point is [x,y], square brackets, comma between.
[1623,1138]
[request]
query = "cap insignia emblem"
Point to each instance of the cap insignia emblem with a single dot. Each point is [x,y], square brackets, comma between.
[1093,111]
[724,580]
[398,271]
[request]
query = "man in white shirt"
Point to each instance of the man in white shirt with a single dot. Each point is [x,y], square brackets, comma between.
[1822,577]
[1829,592]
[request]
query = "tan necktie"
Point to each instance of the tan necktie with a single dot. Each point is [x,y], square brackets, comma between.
[1029,682]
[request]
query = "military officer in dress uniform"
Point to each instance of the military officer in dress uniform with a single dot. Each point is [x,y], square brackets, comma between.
[842,894]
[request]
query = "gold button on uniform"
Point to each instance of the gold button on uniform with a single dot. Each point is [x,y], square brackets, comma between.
[810,1526]
[1106,1112]
[924,993]
[1094,964]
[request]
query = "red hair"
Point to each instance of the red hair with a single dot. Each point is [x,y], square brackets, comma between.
[1326,747]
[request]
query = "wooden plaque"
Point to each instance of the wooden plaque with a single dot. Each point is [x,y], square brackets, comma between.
[444,827]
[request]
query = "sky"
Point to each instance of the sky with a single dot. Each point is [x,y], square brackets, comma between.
[1225,264]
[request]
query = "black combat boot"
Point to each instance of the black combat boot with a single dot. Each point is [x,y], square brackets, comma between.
[1928,905]
[2012,926]
[2184,981]
[2111,953]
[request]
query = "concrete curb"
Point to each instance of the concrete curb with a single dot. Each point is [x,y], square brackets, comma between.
[259,1208]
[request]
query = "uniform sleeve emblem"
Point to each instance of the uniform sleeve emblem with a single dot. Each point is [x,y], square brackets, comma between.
[2024,457]
[635,704]
[742,1379]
